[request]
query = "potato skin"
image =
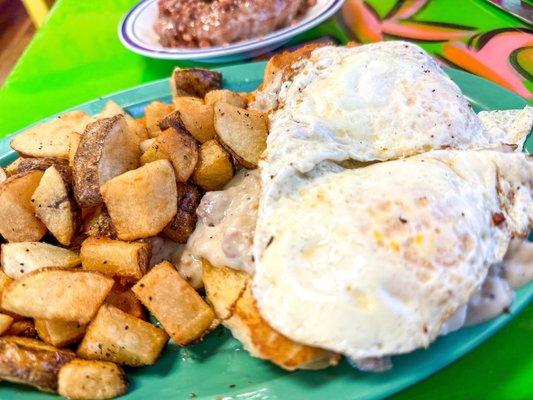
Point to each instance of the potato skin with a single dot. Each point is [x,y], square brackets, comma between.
[184,222]
[42,164]
[195,81]
[31,362]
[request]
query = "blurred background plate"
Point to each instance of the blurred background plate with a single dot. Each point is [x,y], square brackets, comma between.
[137,34]
[218,367]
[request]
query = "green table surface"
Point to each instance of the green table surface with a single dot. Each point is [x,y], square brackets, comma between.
[77,57]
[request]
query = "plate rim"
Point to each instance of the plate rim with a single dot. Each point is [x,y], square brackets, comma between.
[276,37]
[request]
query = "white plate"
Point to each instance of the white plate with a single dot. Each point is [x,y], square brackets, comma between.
[137,34]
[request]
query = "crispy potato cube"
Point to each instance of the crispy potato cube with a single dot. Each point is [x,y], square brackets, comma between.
[5,322]
[99,224]
[176,305]
[42,164]
[229,291]
[179,148]
[116,336]
[13,168]
[242,132]
[126,260]
[18,222]
[57,294]
[196,117]
[112,109]
[223,287]
[194,82]
[142,202]
[155,112]
[214,168]
[4,280]
[107,149]
[145,145]
[32,362]
[3,175]
[22,328]
[124,299]
[59,333]
[54,207]
[225,96]
[22,258]
[184,222]
[51,138]
[91,380]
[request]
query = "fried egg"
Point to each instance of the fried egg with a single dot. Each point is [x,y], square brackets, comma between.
[373,261]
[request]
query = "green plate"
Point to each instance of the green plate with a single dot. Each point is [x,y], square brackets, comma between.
[218,367]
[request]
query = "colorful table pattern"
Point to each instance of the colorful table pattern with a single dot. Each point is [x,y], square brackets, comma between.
[77,57]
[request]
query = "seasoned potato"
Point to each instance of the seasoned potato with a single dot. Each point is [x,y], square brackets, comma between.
[142,202]
[59,333]
[22,258]
[57,294]
[242,132]
[223,287]
[155,112]
[42,164]
[175,304]
[52,138]
[3,175]
[225,96]
[31,362]
[184,222]
[91,380]
[229,292]
[214,168]
[124,299]
[22,328]
[112,109]
[179,148]
[4,280]
[13,168]
[5,323]
[197,118]
[116,336]
[99,224]
[54,206]
[125,260]
[145,145]
[18,222]
[194,82]
[107,149]
[74,144]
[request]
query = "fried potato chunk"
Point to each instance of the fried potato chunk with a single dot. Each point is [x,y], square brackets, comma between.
[214,168]
[42,164]
[175,304]
[142,202]
[51,138]
[116,336]
[124,299]
[57,294]
[136,127]
[3,175]
[91,380]
[229,292]
[54,206]
[18,222]
[59,333]
[5,323]
[22,328]
[125,260]
[155,112]
[176,146]
[99,224]
[242,132]
[196,117]
[107,149]
[31,362]
[22,258]
[194,82]
[184,222]
[225,96]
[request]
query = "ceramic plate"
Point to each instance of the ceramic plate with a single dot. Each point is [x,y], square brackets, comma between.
[137,34]
[218,368]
